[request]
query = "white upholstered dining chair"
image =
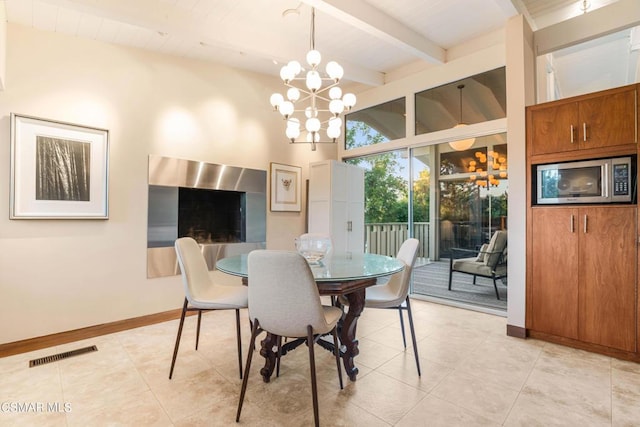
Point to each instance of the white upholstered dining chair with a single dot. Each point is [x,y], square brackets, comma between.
[284,301]
[394,293]
[203,294]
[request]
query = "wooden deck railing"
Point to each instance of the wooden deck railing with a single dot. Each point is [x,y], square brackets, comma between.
[386,238]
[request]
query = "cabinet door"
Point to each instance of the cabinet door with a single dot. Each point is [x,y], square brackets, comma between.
[555,271]
[355,185]
[608,258]
[553,129]
[608,120]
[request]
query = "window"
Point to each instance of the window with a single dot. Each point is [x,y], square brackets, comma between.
[473,188]
[373,125]
[602,63]
[483,97]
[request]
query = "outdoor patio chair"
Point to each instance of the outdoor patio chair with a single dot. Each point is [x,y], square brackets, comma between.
[490,261]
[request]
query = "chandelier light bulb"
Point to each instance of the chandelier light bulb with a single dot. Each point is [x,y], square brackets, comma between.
[286,74]
[286,108]
[313,137]
[293,94]
[312,125]
[313,58]
[314,81]
[333,132]
[335,71]
[349,100]
[335,122]
[295,67]
[336,106]
[335,92]
[293,132]
[275,100]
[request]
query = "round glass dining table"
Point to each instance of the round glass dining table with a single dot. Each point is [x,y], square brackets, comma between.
[339,274]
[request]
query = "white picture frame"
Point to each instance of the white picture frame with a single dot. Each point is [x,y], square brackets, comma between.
[58,170]
[286,192]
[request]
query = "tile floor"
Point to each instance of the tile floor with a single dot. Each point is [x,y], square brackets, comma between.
[473,374]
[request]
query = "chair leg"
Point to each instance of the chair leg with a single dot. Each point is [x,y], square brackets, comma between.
[278,356]
[312,367]
[413,336]
[336,349]
[175,348]
[198,328]
[404,339]
[239,341]
[254,333]
[474,279]
[450,270]
[495,286]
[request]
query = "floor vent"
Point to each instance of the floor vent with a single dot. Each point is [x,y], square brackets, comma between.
[60,356]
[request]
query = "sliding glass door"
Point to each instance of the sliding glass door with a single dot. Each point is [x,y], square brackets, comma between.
[386,200]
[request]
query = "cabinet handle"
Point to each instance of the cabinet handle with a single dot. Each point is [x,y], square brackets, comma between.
[584,132]
[572,134]
[349,225]
[586,218]
[571,224]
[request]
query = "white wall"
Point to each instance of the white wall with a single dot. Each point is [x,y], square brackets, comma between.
[520,93]
[59,275]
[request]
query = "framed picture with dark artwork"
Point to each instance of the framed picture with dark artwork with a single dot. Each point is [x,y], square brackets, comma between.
[58,170]
[286,193]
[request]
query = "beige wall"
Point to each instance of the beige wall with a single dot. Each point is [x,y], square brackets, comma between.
[3,45]
[59,275]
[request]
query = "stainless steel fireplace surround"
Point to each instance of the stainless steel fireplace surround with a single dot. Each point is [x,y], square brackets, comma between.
[228,219]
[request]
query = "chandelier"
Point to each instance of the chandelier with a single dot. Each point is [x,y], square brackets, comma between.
[480,173]
[318,106]
[461,144]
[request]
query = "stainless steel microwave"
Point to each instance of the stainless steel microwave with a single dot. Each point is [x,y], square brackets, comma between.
[592,181]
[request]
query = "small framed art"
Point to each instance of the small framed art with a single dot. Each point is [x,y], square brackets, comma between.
[286,193]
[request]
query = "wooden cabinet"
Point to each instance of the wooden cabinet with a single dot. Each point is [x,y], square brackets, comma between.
[554,272]
[583,274]
[336,204]
[592,121]
[607,274]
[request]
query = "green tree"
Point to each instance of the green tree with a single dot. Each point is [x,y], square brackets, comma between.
[421,189]
[386,197]
[386,193]
[360,134]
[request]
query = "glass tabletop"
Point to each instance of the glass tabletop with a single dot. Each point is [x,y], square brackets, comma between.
[335,267]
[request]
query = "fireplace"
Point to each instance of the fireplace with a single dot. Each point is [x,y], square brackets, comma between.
[211,216]
[222,207]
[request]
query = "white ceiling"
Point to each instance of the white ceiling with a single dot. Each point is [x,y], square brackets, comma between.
[370,38]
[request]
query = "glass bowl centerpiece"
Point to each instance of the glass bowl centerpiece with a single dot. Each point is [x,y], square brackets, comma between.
[313,247]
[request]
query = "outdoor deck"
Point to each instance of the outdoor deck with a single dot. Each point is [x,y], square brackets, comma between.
[432,279]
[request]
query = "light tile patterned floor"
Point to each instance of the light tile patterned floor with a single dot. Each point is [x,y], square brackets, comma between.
[473,375]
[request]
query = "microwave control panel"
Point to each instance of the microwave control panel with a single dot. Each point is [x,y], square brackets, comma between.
[621,179]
